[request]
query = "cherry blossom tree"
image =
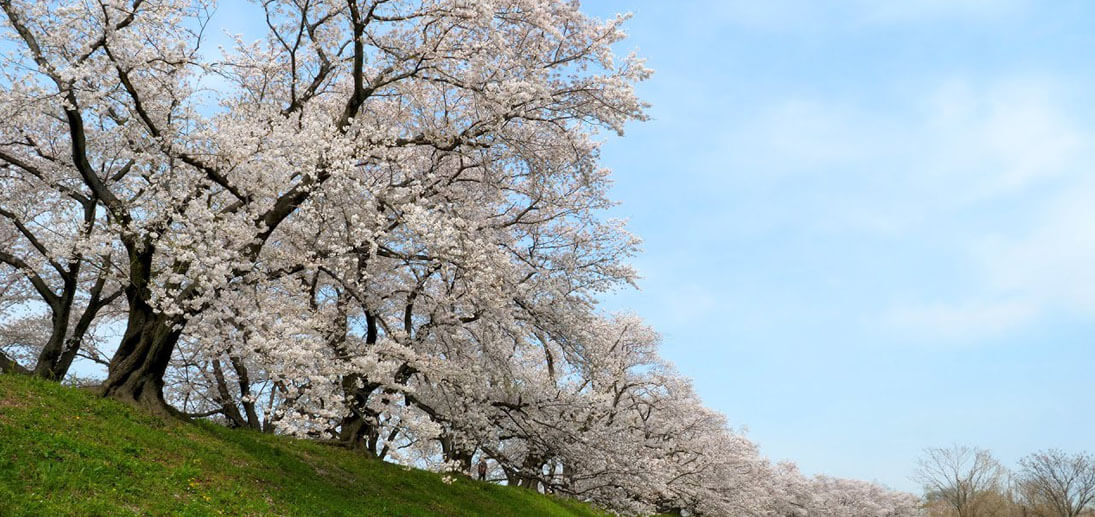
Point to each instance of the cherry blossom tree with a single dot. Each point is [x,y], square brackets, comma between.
[375,104]
[853,498]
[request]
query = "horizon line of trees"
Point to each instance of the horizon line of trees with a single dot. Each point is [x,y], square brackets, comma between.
[964,481]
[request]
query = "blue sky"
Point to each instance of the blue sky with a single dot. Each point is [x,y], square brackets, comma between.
[868,225]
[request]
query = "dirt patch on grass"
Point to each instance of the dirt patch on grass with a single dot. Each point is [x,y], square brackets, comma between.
[9,402]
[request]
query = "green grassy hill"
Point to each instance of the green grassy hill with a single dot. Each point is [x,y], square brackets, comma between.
[66,452]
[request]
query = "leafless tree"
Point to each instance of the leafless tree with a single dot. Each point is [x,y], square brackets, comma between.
[1054,483]
[961,477]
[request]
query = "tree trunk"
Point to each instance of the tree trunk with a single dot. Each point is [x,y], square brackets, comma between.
[72,347]
[357,434]
[357,430]
[136,371]
[7,365]
[50,355]
[512,477]
[76,340]
[225,399]
[454,452]
[247,398]
[530,471]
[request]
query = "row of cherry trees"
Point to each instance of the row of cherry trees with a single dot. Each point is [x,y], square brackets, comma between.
[379,225]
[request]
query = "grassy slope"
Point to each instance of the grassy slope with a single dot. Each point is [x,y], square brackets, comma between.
[66,452]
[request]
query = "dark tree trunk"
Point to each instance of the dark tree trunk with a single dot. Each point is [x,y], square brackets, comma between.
[568,476]
[72,347]
[358,434]
[136,371]
[531,469]
[76,340]
[512,477]
[7,365]
[247,400]
[55,367]
[50,355]
[358,428]
[225,398]
[454,452]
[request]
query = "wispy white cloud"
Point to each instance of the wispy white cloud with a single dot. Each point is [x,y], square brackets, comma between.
[971,140]
[951,322]
[1002,138]
[797,14]
[992,172]
[1019,145]
[922,10]
[1050,263]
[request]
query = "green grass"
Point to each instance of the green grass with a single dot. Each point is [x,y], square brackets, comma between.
[66,452]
